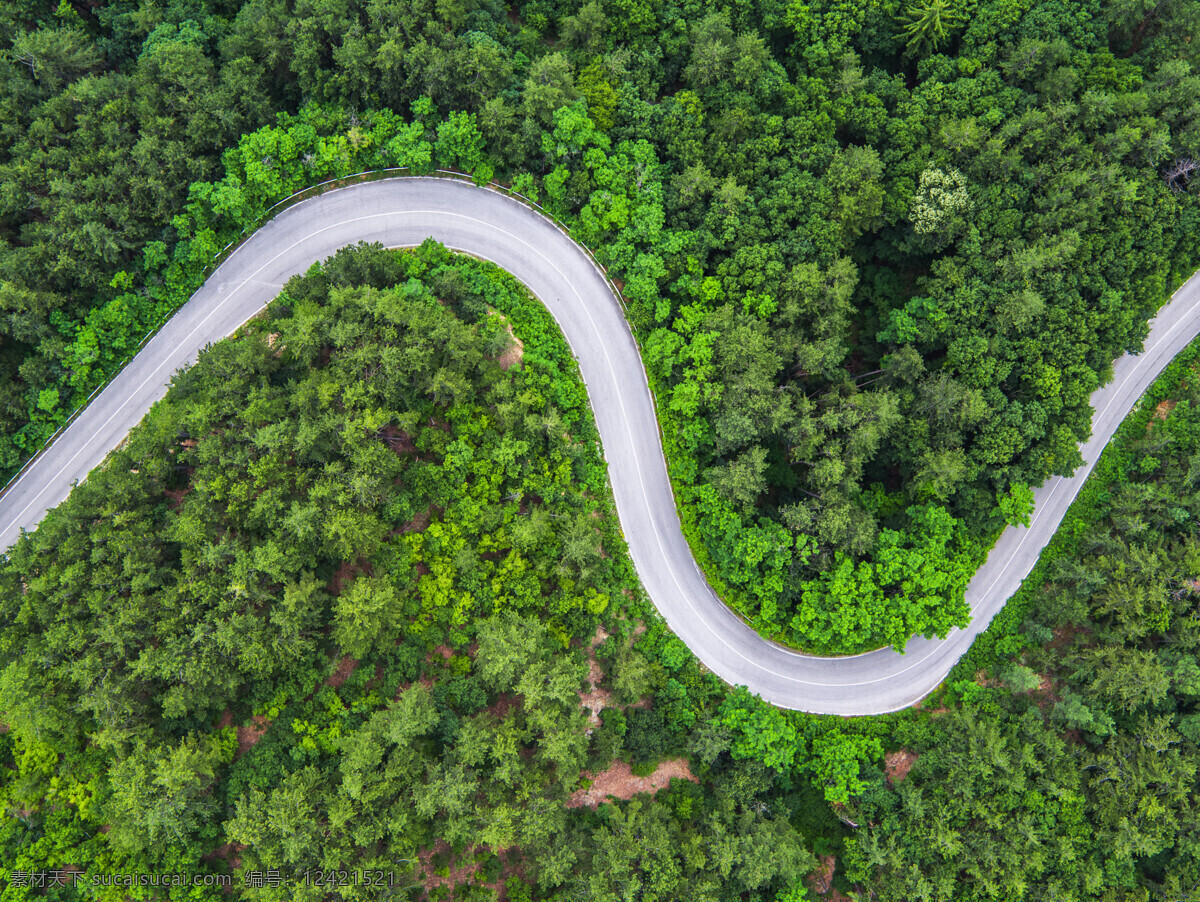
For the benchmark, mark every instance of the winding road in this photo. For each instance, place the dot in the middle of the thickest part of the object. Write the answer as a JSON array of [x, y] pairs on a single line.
[[405, 211]]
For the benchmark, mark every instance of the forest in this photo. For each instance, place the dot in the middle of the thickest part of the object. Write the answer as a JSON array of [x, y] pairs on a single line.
[[352, 599], [352, 575], [877, 255], [337, 602]]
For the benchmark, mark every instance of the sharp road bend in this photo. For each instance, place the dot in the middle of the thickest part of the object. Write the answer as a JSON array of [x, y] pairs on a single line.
[[404, 212]]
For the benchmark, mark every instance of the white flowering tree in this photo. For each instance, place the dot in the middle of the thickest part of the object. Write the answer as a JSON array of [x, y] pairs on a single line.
[[941, 206]]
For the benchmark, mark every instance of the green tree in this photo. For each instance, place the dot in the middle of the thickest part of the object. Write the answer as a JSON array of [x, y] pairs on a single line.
[[927, 24]]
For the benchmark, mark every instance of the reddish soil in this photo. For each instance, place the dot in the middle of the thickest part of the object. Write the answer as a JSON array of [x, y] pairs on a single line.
[[176, 496], [425, 681], [249, 734], [398, 440], [897, 764], [419, 523], [505, 703], [1064, 635], [619, 781], [345, 574], [595, 699], [1044, 694], [820, 881], [342, 672], [463, 869], [516, 350], [229, 852], [1163, 410]]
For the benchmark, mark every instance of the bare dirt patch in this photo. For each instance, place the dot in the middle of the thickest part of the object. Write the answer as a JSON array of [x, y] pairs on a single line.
[[342, 672], [595, 699], [419, 523], [398, 440], [505, 703], [619, 781], [425, 681], [516, 351], [345, 574], [513, 356], [228, 852], [1064, 637], [897, 764], [1164, 408], [458, 871], [176, 496], [249, 734], [463, 869], [820, 881]]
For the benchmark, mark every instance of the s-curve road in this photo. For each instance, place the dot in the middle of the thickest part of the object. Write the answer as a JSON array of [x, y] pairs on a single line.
[[406, 211]]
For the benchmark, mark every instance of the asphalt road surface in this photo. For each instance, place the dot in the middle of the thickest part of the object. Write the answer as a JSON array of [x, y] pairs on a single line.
[[404, 212]]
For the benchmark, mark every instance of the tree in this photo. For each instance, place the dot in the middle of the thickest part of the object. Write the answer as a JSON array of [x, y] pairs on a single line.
[[549, 87], [283, 825], [743, 479], [507, 644], [941, 206], [927, 24], [459, 143], [761, 732], [853, 178], [55, 56], [368, 615], [161, 795]]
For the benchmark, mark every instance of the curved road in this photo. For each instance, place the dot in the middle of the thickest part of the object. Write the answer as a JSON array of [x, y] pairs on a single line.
[[403, 212]]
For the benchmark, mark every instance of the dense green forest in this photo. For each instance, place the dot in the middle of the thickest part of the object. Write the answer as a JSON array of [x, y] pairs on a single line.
[[352, 597], [1066, 765], [877, 255], [339, 614]]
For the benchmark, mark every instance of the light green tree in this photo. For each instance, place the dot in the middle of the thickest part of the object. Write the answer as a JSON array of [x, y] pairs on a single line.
[[927, 24]]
